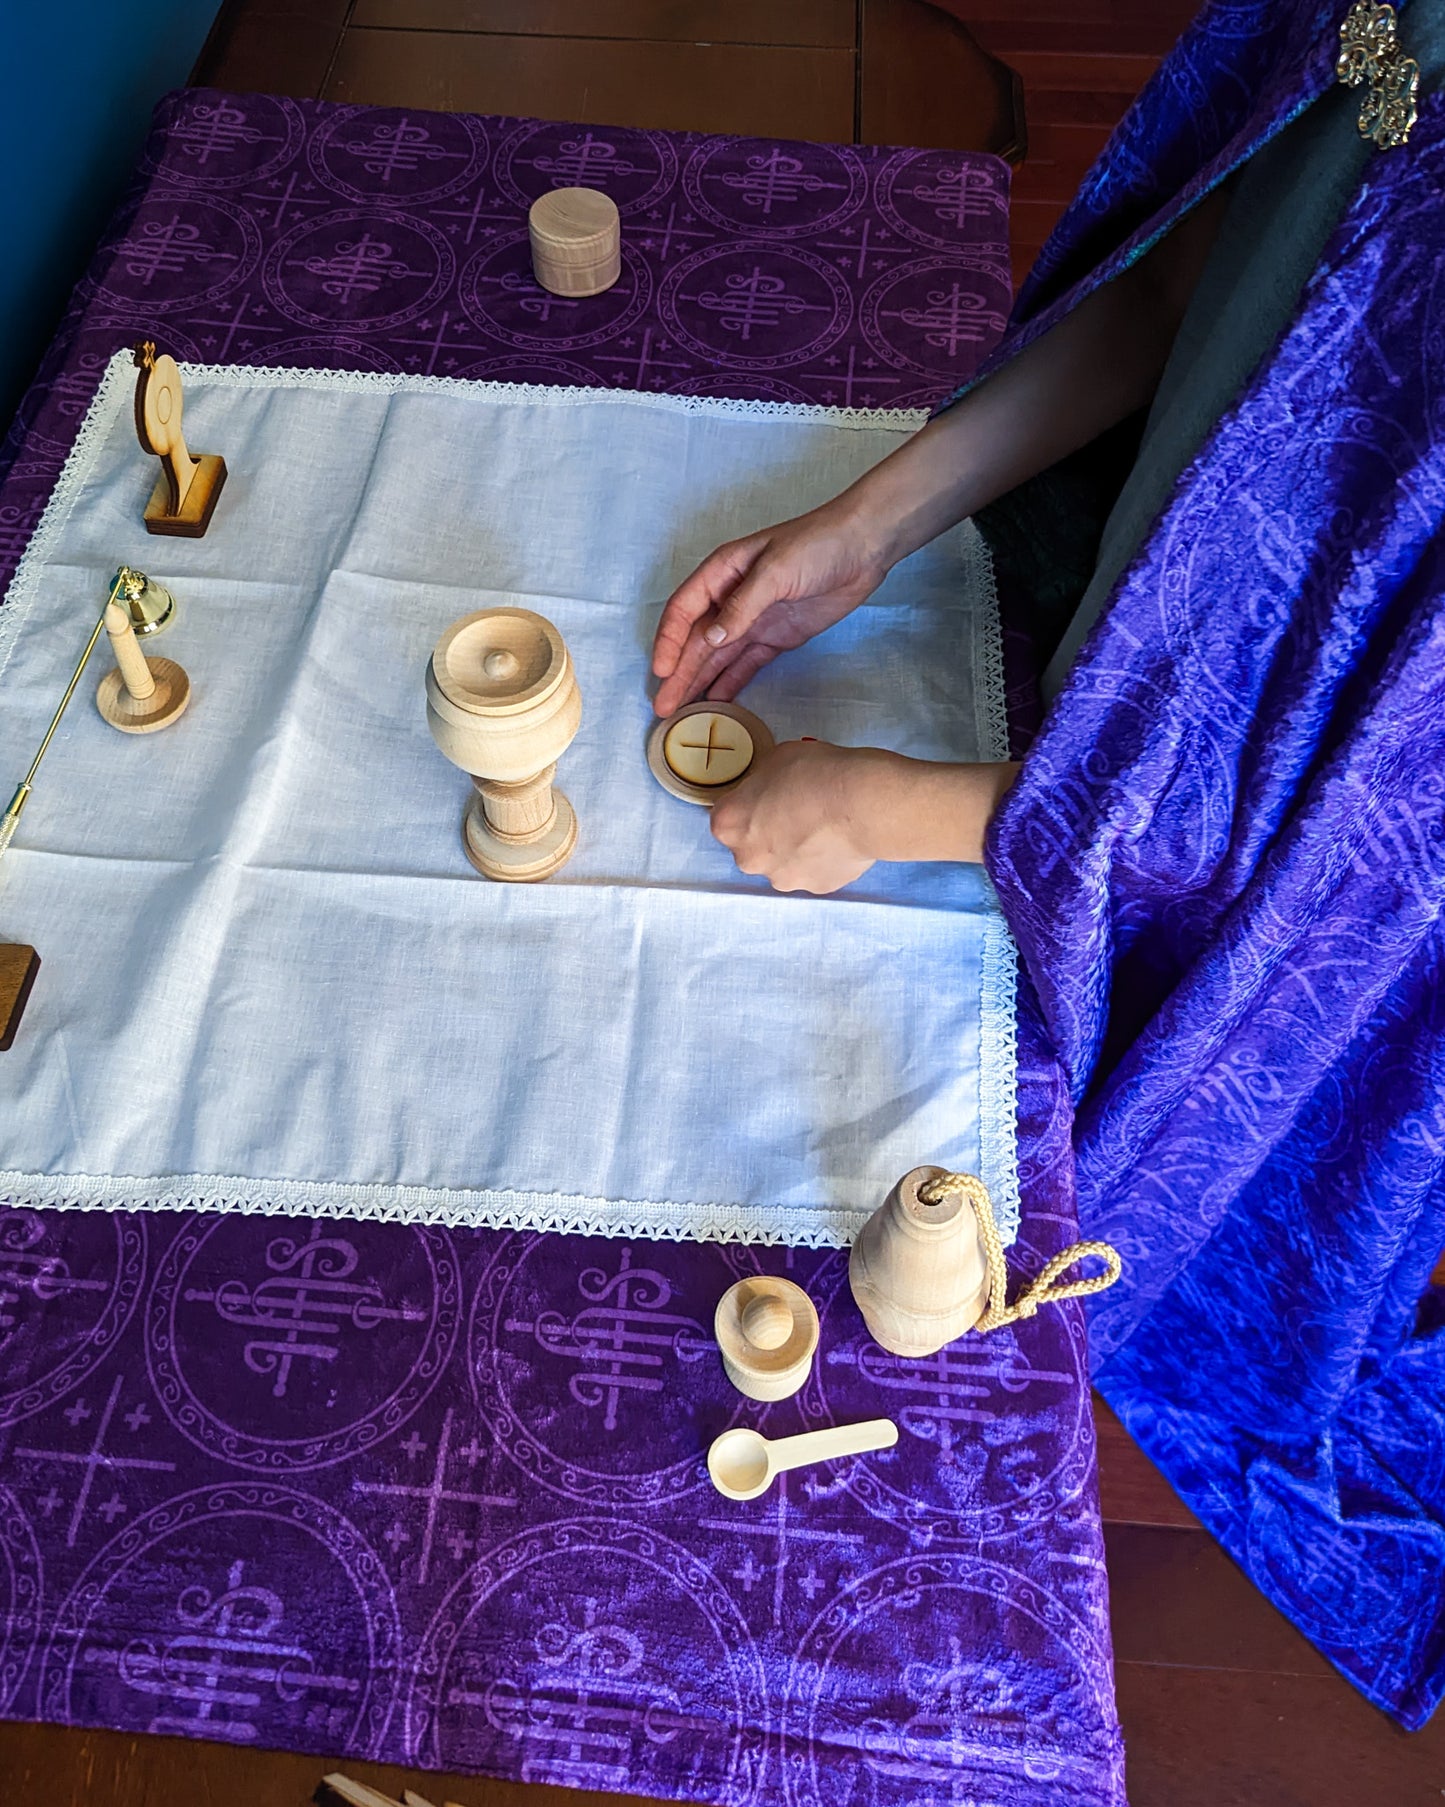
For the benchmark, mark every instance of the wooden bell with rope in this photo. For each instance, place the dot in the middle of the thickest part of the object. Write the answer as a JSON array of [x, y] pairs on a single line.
[[929, 1265]]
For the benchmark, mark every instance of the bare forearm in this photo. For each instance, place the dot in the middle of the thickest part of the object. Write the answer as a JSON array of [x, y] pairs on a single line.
[[915, 809], [1098, 365]]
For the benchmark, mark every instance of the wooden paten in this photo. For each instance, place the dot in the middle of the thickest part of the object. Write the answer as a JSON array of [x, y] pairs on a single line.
[[692, 756]]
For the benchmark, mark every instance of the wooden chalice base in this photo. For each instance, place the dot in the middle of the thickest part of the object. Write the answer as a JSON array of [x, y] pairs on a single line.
[[194, 515], [143, 715], [705, 794], [519, 862]]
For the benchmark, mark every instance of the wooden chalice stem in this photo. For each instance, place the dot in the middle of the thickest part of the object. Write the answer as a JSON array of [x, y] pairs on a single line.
[[518, 812]]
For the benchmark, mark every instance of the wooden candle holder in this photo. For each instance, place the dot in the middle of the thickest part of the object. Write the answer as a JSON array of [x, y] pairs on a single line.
[[140, 695], [503, 704], [576, 236], [767, 1330], [919, 1272], [188, 488]]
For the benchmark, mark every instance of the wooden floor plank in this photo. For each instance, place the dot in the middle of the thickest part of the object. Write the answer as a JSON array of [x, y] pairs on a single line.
[[1131, 1489], [823, 22], [72, 1767], [751, 90], [272, 47], [1223, 1738], [924, 81], [1176, 1598]]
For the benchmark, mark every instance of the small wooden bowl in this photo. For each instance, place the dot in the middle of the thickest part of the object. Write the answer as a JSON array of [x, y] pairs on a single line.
[[576, 236], [705, 794], [767, 1330]]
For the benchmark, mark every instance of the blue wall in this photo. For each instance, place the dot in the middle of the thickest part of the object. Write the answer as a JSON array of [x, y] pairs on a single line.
[[78, 79]]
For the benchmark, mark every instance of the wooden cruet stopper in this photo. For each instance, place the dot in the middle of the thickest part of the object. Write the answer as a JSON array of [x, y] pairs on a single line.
[[576, 237], [503, 704], [767, 1331], [918, 1271]]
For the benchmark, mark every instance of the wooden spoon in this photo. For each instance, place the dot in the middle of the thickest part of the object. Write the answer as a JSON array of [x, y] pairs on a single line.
[[742, 1463]]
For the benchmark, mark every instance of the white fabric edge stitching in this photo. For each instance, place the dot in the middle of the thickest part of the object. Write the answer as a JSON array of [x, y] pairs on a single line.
[[480, 1209], [998, 1089]]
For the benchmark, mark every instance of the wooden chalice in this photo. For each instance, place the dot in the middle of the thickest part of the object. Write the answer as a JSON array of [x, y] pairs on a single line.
[[503, 704]]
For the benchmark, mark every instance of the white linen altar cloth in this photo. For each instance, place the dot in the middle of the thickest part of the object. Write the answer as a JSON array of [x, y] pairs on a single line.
[[270, 979]]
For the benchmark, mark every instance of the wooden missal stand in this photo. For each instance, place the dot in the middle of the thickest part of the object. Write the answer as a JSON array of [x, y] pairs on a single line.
[[502, 703], [186, 492], [18, 967]]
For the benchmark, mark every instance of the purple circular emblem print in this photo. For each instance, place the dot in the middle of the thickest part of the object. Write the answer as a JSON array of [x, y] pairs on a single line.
[[767, 190], [939, 199], [503, 298], [981, 1683], [990, 1438], [635, 168], [181, 249], [608, 1396], [283, 1347], [729, 301], [369, 154], [543, 1663], [932, 316], [358, 268], [230, 140], [69, 1282], [20, 1597], [242, 1612]]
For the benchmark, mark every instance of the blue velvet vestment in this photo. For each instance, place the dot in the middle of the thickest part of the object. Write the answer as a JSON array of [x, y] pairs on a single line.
[[1224, 864]]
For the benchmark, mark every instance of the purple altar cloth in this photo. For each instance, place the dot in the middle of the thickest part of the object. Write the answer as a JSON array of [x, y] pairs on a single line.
[[439, 1497]]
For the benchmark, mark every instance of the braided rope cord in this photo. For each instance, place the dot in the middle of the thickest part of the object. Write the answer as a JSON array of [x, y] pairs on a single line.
[[1039, 1291]]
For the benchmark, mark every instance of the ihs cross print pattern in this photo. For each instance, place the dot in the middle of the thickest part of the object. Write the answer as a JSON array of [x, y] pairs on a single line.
[[441, 1498], [271, 231]]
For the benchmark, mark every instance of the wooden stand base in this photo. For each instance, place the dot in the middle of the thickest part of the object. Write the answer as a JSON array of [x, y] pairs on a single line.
[[143, 715], [194, 515], [18, 967], [514, 858]]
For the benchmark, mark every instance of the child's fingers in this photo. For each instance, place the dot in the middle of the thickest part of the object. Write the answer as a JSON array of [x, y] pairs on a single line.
[[748, 663], [698, 667], [752, 595]]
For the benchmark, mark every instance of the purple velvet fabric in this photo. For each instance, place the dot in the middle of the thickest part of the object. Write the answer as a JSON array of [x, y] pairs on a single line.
[[439, 1497], [1223, 865]]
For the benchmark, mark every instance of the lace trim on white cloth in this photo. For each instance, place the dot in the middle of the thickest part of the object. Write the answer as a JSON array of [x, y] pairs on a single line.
[[813, 1228], [805, 1228]]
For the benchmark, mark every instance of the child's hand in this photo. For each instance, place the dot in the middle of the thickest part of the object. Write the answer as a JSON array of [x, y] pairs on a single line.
[[801, 819], [813, 817]]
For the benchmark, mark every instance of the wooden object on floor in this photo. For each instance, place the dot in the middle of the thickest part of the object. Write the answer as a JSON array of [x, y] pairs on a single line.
[[743, 1463], [188, 488], [503, 704], [767, 1332], [140, 695], [698, 753], [18, 967], [918, 1271], [576, 238]]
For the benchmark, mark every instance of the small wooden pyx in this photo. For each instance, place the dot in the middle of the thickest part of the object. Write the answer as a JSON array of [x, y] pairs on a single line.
[[767, 1331]]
